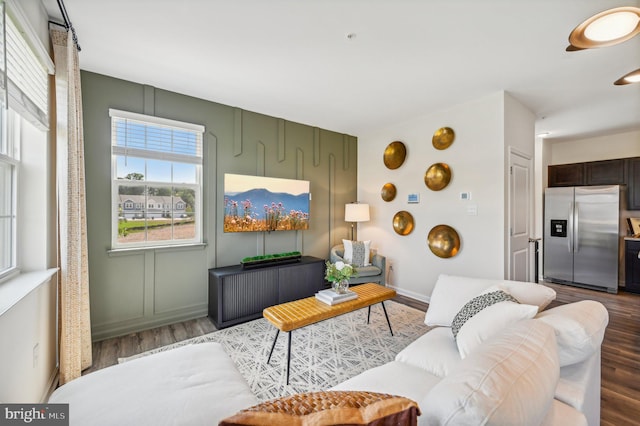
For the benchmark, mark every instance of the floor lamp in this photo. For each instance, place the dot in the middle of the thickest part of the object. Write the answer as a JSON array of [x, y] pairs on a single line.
[[355, 212]]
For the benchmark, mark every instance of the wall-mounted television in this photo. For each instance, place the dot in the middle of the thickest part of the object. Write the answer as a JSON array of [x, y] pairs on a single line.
[[258, 203]]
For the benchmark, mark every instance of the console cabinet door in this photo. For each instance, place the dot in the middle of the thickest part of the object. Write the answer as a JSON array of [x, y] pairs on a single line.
[[300, 281], [249, 293]]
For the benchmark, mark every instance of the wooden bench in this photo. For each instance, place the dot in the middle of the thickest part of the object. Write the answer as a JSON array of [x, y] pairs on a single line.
[[300, 313]]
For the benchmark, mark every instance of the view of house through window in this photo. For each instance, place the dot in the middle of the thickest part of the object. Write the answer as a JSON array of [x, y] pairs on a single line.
[[156, 180]]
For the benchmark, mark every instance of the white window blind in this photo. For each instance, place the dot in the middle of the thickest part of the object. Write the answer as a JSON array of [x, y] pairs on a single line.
[[25, 76], [156, 138]]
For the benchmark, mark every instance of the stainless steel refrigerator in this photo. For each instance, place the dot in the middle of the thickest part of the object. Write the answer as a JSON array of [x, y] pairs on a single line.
[[581, 236]]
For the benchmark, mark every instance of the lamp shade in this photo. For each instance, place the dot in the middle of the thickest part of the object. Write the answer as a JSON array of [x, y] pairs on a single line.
[[356, 212]]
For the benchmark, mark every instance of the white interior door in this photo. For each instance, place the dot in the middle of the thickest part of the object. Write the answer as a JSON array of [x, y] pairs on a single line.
[[520, 215]]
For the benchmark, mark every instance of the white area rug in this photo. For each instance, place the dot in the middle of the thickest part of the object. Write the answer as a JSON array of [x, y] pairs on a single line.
[[322, 354]]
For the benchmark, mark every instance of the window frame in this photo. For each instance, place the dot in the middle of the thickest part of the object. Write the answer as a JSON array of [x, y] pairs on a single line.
[[10, 155], [116, 184]]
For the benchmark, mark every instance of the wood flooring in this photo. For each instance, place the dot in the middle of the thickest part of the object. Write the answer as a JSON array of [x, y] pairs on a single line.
[[620, 391]]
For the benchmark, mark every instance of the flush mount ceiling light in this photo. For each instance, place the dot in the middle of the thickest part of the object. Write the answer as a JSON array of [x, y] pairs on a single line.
[[632, 77], [606, 28]]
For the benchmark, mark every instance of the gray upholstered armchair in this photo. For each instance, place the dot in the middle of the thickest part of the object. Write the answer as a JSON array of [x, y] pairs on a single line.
[[366, 274]]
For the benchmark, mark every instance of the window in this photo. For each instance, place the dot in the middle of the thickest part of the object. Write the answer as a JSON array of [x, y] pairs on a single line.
[[156, 181], [8, 190], [24, 65]]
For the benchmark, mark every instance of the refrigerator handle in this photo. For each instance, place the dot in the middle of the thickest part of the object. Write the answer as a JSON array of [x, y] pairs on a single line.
[[570, 231], [576, 218]]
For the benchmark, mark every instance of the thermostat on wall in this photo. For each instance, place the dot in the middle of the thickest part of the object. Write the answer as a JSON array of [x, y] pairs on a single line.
[[465, 195]]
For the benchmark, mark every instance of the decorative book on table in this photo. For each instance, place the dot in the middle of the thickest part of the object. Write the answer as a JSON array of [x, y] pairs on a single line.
[[330, 297]]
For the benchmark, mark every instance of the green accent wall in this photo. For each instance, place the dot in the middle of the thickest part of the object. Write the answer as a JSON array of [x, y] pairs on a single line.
[[139, 289]]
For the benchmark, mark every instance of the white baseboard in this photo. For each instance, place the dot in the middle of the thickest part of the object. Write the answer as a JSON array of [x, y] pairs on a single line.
[[411, 294]]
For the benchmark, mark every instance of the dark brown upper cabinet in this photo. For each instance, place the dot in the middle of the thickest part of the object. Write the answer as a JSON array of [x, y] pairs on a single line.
[[633, 183], [566, 175], [608, 172]]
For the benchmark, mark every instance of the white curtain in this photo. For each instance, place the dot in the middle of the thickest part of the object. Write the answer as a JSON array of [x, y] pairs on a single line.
[[73, 287]]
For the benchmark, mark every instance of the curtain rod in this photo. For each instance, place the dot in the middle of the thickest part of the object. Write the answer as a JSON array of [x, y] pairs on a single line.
[[67, 23]]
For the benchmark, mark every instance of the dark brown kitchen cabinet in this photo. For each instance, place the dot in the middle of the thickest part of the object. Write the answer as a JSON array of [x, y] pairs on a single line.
[[566, 174], [632, 266], [608, 172], [633, 183]]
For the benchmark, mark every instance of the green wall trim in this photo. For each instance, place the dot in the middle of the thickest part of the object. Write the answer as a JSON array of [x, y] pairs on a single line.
[[237, 132], [316, 146], [281, 141], [345, 152]]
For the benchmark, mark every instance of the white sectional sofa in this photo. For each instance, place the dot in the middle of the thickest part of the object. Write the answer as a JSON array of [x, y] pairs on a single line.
[[516, 371], [190, 385], [510, 364]]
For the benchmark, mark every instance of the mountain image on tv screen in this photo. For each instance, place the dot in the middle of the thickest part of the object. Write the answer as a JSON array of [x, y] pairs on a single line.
[[257, 203]]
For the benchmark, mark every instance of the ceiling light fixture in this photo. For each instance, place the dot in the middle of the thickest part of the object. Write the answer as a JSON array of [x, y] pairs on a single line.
[[606, 28], [632, 77]]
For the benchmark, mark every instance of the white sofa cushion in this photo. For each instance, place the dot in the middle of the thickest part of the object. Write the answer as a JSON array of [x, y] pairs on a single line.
[[395, 378], [510, 380], [452, 292], [436, 352], [563, 414], [579, 329], [489, 321], [191, 385]]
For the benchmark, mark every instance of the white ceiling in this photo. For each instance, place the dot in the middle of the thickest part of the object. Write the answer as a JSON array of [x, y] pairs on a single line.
[[292, 58]]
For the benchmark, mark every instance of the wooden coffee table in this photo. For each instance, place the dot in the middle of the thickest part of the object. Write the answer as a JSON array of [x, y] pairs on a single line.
[[300, 313]]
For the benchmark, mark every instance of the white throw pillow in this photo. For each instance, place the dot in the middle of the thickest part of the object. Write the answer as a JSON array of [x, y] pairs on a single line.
[[491, 318], [452, 292], [349, 252], [579, 329], [509, 380]]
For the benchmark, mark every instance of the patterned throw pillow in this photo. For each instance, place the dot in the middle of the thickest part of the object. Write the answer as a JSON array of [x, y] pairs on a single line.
[[477, 304], [357, 252]]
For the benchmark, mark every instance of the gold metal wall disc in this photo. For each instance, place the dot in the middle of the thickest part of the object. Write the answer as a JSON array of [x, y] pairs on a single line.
[[403, 223], [443, 138], [444, 241], [388, 192], [437, 176], [394, 155]]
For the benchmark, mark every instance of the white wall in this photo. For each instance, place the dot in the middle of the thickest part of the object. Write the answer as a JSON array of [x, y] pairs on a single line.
[[477, 160], [28, 357], [608, 147]]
